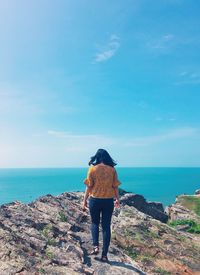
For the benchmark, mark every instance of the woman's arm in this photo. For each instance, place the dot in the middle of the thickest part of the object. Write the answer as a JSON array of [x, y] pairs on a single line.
[[87, 191], [89, 182], [117, 202], [116, 183]]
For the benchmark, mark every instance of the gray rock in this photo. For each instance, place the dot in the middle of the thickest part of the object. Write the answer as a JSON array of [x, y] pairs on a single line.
[[154, 209], [179, 211], [183, 227], [197, 192], [52, 236], [159, 247]]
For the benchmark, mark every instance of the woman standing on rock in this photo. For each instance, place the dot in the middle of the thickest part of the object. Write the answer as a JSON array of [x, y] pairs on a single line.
[[102, 187]]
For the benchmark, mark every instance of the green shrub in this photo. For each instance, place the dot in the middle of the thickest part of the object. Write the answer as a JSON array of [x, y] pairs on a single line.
[[131, 252], [193, 226], [49, 254], [47, 233], [190, 202], [63, 217], [42, 270], [162, 271]]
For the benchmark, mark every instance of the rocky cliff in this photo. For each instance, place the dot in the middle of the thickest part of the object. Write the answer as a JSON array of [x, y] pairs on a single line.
[[52, 236], [185, 207], [184, 214]]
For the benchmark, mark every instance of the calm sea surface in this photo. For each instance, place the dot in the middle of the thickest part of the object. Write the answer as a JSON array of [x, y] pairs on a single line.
[[155, 184]]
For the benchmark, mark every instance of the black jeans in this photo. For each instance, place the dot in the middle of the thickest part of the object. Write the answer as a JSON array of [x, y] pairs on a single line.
[[104, 208]]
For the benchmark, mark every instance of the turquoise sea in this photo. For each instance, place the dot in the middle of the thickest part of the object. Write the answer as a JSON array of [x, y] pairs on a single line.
[[155, 184]]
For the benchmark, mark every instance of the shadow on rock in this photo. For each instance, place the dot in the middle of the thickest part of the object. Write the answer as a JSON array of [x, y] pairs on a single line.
[[122, 265]]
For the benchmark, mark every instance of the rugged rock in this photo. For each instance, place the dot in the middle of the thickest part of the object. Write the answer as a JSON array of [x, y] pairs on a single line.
[[52, 236], [155, 245], [179, 212], [186, 207], [197, 192], [154, 209]]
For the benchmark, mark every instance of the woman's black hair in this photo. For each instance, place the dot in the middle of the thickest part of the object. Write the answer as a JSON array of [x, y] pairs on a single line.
[[102, 156]]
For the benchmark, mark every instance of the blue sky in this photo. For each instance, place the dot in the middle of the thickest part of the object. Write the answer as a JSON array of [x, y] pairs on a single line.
[[76, 76]]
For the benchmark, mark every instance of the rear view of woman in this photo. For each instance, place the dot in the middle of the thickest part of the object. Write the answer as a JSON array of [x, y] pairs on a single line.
[[101, 187]]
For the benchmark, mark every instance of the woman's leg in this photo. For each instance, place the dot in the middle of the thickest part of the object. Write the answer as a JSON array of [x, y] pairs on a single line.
[[106, 221], [95, 210]]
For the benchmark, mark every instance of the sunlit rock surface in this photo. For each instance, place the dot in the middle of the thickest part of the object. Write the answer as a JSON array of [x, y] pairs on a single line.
[[52, 236]]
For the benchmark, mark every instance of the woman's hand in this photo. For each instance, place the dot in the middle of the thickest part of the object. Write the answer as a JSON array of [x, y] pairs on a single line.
[[84, 206], [117, 203]]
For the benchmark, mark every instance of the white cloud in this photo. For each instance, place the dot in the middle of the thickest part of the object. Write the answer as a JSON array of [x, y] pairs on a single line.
[[161, 43], [82, 142], [62, 134], [186, 77], [75, 143], [172, 119], [109, 50], [171, 135], [62, 148], [13, 100], [30, 101], [159, 118], [183, 73], [165, 119]]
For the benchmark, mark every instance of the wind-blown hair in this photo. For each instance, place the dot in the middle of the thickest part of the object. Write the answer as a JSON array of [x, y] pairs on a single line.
[[102, 156]]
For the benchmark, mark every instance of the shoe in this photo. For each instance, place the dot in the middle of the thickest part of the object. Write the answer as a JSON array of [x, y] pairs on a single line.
[[104, 259], [95, 250]]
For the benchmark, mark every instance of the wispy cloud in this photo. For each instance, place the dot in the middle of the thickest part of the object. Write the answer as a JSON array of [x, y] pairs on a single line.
[[82, 142], [186, 77], [108, 50], [165, 119], [16, 100], [170, 135], [162, 43], [159, 118], [63, 134], [89, 142], [172, 119]]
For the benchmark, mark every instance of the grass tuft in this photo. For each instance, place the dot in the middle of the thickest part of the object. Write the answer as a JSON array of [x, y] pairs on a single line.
[[63, 217], [190, 202], [193, 226], [131, 253]]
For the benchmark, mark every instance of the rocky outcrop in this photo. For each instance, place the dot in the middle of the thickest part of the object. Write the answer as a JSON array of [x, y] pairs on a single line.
[[52, 236], [197, 192], [177, 211], [156, 246], [154, 209], [186, 207]]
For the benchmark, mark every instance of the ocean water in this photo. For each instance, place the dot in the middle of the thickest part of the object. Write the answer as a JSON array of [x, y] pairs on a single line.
[[155, 184]]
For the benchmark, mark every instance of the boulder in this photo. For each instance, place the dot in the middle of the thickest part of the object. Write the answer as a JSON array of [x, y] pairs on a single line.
[[185, 208], [153, 209], [197, 192]]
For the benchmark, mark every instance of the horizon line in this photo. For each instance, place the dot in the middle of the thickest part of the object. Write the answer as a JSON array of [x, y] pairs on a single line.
[[81, 167]]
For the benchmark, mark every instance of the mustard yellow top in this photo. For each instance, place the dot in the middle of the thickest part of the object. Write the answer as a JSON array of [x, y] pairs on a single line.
[[102, 179]]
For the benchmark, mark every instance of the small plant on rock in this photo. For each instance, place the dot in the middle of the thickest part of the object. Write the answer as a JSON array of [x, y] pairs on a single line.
[[131, 252], [63, 217], [49, 254], [161, 271], [193, 226]]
